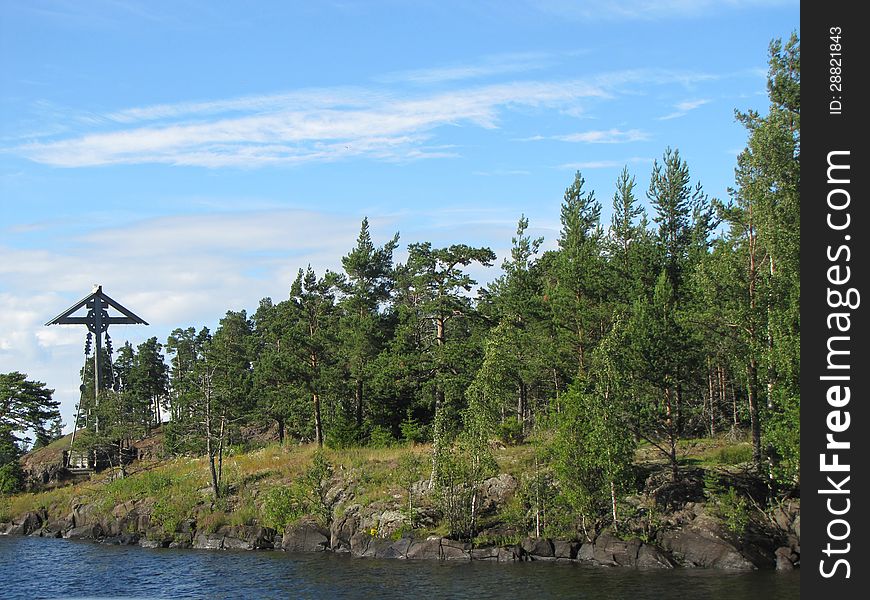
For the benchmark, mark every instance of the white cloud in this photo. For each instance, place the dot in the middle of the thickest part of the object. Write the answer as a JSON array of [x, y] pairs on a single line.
[[605, 164], [632, 10], [682, 108], [499, 64], [325, 125], [608, 136]]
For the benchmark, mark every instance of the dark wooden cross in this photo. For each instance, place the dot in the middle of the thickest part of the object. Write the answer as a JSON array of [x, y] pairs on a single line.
[[97, 321]]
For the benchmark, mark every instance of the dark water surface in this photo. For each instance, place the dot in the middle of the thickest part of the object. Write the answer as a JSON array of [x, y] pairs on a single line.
[[32, 568]]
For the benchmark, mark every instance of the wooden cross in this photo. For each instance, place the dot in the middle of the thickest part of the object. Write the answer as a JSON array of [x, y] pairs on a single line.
[[97, 321]]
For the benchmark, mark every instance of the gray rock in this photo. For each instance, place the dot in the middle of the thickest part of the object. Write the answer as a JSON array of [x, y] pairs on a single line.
[[694, 548], [343, 529], [248, 537], [428, 549], [485, 554], [28, 524], [389, 523], [149, 543], [496, 491], [208, 541], [785, 559], [586, 552], [507, 554], [563, 549], [453, 550], [538, 547], [610, 550], [650, 557], [359, 542], [305, 536], [85, 532]]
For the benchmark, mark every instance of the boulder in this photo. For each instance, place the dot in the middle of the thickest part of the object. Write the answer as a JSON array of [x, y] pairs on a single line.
[[85, 532], [610, 550], [565, 550], [538, 548], [586, 552], [453, 550], [305, 536], [699, 548], [507, 554], [343, 528], [247, 537], [399, 548], [785, 559], [389, 523], [428, 549], [208, 541], [27, 524], [496, 491], [650, 557], [490, 554]]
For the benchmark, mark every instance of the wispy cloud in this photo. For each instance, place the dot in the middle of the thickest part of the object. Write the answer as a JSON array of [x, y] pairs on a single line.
[[606, 136], [683, 108], [323, 125], [644, 10], [500, 64], [605, 164]]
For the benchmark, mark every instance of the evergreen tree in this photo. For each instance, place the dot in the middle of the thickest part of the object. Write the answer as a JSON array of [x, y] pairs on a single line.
[[370, 279], [768, 198], [434, 285], [576, 279]]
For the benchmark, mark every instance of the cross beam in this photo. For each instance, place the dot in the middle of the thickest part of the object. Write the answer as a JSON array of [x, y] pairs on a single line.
[[97, 321]]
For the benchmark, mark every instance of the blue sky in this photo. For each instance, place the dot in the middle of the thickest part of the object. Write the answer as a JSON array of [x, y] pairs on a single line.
[[191, 155]]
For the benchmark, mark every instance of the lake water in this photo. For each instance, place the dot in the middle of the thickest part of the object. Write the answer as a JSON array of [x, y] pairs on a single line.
[[32, 568]]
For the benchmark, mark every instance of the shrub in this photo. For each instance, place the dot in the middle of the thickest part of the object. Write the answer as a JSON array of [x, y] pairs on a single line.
[[282, 506], [380, 437], [734, 455], [729, 504], [510, 432], [413, 432], [343, 434], [11, 478]]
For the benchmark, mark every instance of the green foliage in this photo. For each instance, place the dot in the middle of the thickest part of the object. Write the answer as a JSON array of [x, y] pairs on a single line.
[[344, 434], [11, 478], [311, 490], [380, 437], [408, 474], [282, 506], [729, 504], [733, 455], [25, 405], [593, 450], [413, 432], [510, 431], [460, 469], [171, 510]]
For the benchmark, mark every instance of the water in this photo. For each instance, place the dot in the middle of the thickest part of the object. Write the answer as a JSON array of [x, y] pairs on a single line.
[[32, 568]]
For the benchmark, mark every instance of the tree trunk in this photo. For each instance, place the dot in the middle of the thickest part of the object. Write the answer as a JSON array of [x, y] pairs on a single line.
[[318, 424], [220, 473], [280, 423], [358, 397], [613, 504], [752, 388], [672, 437]]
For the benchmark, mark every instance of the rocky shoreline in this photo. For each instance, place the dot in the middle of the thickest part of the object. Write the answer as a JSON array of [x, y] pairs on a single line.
[[699, 541]]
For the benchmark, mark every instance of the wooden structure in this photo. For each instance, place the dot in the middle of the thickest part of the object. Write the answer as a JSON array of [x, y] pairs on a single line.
[[97, 320]]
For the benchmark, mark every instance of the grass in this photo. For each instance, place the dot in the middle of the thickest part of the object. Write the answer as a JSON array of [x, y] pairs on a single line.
[[180, 487]]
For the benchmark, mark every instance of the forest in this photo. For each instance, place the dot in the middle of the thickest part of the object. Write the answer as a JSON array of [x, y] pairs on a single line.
[[675, 322]]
